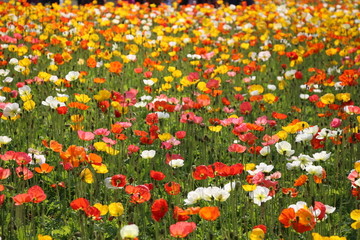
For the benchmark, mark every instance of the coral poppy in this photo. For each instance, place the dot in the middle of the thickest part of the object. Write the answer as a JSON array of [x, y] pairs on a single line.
[[182, 229]]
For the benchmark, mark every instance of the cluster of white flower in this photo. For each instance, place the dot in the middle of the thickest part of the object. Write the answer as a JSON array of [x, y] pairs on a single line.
[[209, 193]]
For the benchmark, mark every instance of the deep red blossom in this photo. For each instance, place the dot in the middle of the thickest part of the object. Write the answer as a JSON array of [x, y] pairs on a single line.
[[158, 176], [118, 180], [158, 209]]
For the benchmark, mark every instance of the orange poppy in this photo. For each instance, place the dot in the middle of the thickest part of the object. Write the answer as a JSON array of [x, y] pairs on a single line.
[[300, 181], [54, 145], [305, 221], [209, 213], [91, 62], [115, 67], [74, 155], [318, 179], [44, 168], [277, 115], [78, 105], [99, 80], [93, 158], [287, 216]]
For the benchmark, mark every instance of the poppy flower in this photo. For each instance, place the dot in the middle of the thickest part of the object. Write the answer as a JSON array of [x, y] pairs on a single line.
[[73, 155], [182, 229], [245, 108], [22, 198], [129, 231], [62, 110], [118, 180], [37, 194], [202, 172], [158, 209], [209, 213], [115, 67], [93, 158], [287, 216], [172, 188], [24, 173], [86, 136], [277, 115], [182, 215], [86, 176], [305, 221], [80, 204], [292, 191], [139, 194], [93, 213], [4, 173], [300, 181], [44, 168], [158, 176], [116, 209], [238, 148]]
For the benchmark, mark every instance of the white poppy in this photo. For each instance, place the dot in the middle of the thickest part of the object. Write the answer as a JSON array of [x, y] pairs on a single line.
[[147, 154], [260, 195], [176, 163], [284, 148], [11, 110], [129, 231]]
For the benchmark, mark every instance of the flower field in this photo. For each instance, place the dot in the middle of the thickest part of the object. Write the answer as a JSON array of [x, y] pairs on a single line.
[[162, 122]]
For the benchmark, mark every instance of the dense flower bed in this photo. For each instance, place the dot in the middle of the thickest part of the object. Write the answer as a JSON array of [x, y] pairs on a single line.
[[161, 122]]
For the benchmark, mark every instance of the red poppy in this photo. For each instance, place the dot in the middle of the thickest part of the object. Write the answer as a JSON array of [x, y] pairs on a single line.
[[118, 180], [159, 209], [22, 198], [37, 194], [245, 108], [158, 176], [180, 134], [202, 172], [22, 158], [2, 199], [262, 227], [221, 169], [139, 194], [182, 229], [172, 188], [151, 118], [62, 110], [80, 204], [236, 169], [93, 213]]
